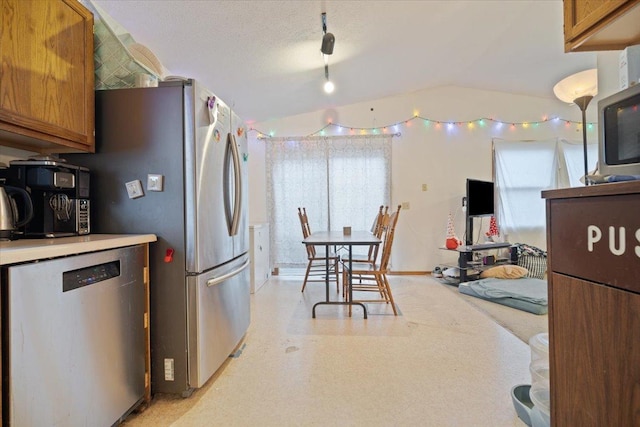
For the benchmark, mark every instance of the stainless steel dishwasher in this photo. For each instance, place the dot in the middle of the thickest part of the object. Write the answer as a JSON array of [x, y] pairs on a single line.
[[74, 339]]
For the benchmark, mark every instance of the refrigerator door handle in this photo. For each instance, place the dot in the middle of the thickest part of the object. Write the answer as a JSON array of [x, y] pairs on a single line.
[[238, 187], [217, 280], [233, 219]]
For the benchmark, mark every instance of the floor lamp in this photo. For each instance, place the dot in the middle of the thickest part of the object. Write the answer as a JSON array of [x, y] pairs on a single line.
[[579, 89]]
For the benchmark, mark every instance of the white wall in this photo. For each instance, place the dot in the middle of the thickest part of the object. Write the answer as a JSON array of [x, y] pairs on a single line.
[[7, 154], [439, 158], [608, 73]]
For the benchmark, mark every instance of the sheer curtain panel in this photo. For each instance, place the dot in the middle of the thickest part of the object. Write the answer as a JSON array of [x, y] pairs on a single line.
[[341, 181], [522, 170], [572, 154]]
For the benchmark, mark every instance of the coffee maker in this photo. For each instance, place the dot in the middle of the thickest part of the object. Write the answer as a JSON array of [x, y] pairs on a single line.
[[59, 194]]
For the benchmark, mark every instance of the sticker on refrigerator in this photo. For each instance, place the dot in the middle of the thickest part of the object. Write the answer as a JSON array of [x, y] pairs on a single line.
[[212, 106]]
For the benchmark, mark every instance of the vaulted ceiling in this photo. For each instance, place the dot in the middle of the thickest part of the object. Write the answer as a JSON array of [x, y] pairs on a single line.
[[263, 57]]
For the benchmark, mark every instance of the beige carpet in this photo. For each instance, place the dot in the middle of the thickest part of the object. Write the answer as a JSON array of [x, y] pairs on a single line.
[[522, 324]]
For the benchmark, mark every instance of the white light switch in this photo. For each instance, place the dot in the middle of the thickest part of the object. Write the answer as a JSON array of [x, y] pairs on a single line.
[[154, 182], [134, 189]]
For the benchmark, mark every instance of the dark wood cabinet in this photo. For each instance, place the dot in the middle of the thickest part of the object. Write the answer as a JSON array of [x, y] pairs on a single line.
[[591, 25], [47, 76], [593, 239]]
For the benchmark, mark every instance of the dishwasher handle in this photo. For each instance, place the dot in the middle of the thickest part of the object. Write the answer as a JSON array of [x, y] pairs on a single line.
[[217, 280]]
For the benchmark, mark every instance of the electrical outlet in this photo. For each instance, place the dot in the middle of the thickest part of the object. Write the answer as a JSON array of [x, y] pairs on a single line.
[[405, 205], [134, 189], [154, 182], [424, 187], [169, 370]]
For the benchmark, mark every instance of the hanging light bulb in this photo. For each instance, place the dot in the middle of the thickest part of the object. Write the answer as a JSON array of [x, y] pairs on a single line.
[[329, 86]]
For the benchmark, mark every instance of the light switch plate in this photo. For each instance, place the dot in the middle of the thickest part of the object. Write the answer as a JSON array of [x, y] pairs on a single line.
[[134, 189], [155, 182]]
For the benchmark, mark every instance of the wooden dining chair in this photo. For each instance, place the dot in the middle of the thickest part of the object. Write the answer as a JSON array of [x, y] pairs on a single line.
[[379, 224], [317, 258], [377, 230], [373, 277]]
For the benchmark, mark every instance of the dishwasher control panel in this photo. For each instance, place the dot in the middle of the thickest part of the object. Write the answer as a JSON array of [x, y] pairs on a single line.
[[89, 275]]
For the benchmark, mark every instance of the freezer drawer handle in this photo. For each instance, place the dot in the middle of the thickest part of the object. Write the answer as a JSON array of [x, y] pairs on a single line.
[[216, 280]]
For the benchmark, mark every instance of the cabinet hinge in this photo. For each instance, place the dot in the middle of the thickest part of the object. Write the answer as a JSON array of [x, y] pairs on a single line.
[[145, 320], [146, 275], [146, 379]]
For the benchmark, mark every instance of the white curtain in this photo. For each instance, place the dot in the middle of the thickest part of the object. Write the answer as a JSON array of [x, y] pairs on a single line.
[[523, 169], [341, 181], [572, 152]]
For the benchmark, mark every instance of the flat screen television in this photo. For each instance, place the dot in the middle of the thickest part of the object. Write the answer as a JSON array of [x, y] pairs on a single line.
[[479, 198], [619, 133], [480, 202]]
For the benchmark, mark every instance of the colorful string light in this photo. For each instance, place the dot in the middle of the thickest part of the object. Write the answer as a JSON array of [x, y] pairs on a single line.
[[437, 124]]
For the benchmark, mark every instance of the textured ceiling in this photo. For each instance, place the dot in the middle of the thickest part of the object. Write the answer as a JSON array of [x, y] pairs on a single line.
[[264, 57]]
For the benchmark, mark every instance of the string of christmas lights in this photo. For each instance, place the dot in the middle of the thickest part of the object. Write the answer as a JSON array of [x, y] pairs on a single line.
[[437, 124]]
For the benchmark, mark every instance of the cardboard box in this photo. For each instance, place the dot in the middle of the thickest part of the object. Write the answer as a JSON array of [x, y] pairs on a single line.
[[629, 66]]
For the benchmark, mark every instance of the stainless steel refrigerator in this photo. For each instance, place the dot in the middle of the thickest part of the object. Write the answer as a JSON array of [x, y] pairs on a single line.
[[181, 139]]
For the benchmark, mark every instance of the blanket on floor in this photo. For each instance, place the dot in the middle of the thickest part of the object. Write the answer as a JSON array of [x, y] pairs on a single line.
[[526, 288]]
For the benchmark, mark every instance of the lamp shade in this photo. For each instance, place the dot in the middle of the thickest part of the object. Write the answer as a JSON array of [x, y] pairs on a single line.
[[584, 83]]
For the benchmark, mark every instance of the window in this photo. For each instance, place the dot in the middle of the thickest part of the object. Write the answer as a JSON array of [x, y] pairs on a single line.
[[523, 169], [341, 181]]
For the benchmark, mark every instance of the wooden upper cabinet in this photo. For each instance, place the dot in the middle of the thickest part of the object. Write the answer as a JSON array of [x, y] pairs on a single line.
[[591, 25], [46, 76]]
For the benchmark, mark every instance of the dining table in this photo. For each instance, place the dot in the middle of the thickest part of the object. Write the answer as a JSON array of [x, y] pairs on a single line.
[[340, 239]]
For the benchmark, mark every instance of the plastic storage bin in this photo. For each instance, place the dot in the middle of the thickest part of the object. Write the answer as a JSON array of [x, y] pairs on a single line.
[[539, 345], [540, 387], [540, 390]]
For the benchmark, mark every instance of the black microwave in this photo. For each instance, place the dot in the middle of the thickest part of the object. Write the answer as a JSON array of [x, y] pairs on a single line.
[[619, 133]]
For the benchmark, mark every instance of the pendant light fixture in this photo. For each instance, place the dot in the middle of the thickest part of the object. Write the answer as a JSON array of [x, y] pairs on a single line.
[[328, 41]]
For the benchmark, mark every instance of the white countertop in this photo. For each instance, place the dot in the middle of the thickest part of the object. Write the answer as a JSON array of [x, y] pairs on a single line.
[[24, 250]]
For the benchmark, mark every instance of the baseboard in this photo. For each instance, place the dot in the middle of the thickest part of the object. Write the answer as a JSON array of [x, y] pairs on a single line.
[[276, 272], [408, 273]]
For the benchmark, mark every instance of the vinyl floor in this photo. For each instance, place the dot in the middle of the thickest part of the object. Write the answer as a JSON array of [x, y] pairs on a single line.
[[440, 362]]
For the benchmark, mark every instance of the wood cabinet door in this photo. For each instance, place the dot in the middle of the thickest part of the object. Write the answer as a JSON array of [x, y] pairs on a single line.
[[594, 349], [600, 24], [47, 78], [580, 15]]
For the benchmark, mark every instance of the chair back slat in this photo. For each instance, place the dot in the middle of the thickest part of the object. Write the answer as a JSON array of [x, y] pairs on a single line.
[[377, 230], [306, 230], [389, 232]]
